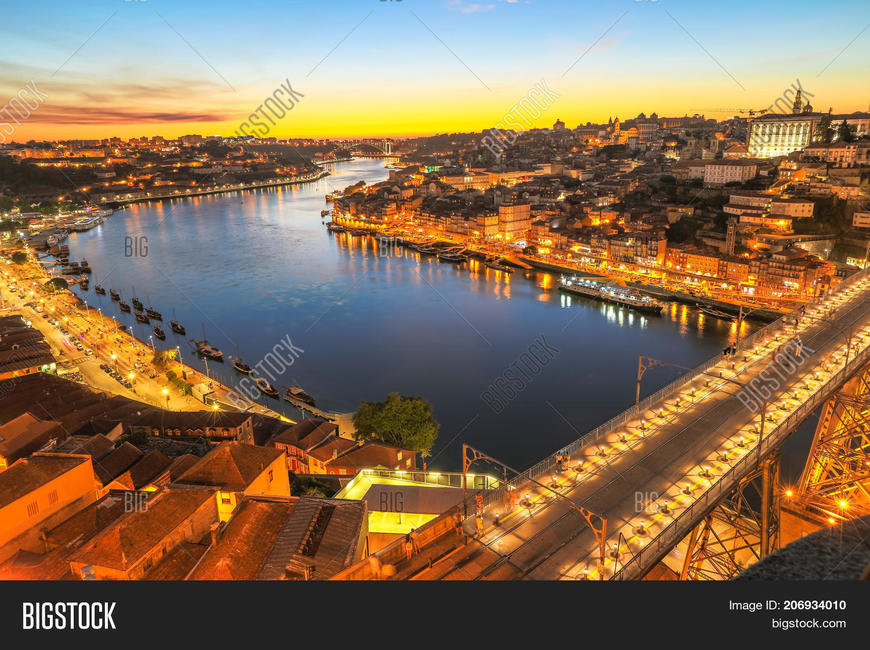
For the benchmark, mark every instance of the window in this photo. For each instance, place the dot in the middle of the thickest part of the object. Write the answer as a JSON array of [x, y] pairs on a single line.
[[270, 476], [32, 509], [225, 499], [52, 497]]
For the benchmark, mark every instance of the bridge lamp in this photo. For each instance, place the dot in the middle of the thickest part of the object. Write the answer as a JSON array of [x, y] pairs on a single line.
[[843, 504], [789, 493]]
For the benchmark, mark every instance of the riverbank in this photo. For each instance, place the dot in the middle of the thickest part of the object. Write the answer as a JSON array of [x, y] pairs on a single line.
[[131, 198], [755, 312]]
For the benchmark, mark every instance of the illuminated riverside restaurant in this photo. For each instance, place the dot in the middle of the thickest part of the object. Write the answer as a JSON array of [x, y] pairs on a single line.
[[399, 501]]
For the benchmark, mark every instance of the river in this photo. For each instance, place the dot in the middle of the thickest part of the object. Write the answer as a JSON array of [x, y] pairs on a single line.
[[252, 268]]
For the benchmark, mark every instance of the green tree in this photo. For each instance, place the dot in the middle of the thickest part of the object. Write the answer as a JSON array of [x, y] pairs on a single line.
[[405, 422], [824, 132], [845, 132], [56, 284]]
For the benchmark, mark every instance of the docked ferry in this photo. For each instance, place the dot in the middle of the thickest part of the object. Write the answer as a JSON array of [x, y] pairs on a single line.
[[580, 287], [615, 294], [626, 297]]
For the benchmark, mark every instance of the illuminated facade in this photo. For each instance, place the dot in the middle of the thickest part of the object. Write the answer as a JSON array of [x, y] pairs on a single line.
[[779, 135]]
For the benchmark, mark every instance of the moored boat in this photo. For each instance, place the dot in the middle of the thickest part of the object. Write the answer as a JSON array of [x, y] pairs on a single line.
[[205, 349], [242, 367], [124, 306], [98, 289], [296, 393], [153, 313], [265, 387], [114, 295], [715, 313], [142, 318], [177, 327], [159, 333]]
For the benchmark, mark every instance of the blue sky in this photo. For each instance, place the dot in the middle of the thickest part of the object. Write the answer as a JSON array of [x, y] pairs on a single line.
[[373, 67]]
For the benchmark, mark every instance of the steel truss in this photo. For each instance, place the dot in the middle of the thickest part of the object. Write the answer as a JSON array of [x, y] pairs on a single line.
[[835, 483], [741, 529]]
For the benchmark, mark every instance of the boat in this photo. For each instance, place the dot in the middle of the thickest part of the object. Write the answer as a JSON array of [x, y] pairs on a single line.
[[324, 213], [142, 318], [123, 328], [207, 350], [153, 313], [242, 367], [114, 295], [455, 258], [177, 327], [84, 285], [625, 297], [159, 333], [137, 304], [124, 306], [427, 250], [335, 227], [715, 313], [100, 290], [580, 287], [296, 393], [495, 264], [265, 387]]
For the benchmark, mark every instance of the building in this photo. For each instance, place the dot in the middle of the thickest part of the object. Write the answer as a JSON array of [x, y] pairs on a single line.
[[41, 491], [514, 221], [218, 425], [23, 349], [24, 435], [398, 502], [839, 154], [236, 469], [142, 537], [776, 134], [729, 171], [313, 446], [861, 220], [293, 538]]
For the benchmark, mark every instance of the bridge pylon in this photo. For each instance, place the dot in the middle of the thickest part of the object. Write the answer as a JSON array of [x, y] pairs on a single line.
[[742, 528], [835, 484]]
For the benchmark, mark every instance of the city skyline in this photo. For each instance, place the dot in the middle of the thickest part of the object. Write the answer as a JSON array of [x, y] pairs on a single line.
[[140, 68]]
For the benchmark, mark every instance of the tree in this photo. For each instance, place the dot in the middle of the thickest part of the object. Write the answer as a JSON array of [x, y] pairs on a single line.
[[844, 132], [19, 258], [57, 284], [405, 422], [824, 132]]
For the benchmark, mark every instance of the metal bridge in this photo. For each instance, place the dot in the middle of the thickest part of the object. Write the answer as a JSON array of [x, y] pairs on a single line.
[[384, 146], [657, 481]]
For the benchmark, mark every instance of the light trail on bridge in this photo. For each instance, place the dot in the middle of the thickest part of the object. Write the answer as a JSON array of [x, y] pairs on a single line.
[[677, 451]]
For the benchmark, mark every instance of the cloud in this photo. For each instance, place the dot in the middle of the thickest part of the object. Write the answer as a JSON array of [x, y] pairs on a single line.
[[473, 8], [62, 114]]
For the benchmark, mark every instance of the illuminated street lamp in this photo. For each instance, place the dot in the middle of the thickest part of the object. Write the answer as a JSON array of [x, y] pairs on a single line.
[[166, 394]]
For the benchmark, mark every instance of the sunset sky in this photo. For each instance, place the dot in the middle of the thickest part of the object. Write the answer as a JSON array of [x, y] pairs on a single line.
[[412, 67]]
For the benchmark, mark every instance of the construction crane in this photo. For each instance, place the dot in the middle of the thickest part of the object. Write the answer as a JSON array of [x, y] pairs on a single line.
[[751, 111]]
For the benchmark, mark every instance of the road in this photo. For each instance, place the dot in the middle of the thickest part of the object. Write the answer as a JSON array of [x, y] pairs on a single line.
[[101, 333]]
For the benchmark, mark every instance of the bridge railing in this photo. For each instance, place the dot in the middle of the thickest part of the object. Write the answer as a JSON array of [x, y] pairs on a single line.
[[548, 464], [672, 534]]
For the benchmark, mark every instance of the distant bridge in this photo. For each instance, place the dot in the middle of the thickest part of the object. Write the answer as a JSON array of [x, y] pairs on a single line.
[[384, 146]]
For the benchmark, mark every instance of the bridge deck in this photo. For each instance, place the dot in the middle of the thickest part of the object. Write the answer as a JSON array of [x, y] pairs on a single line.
[[627, 472]]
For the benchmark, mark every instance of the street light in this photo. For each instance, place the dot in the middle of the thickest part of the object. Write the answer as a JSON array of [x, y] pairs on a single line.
[[166, 394]]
